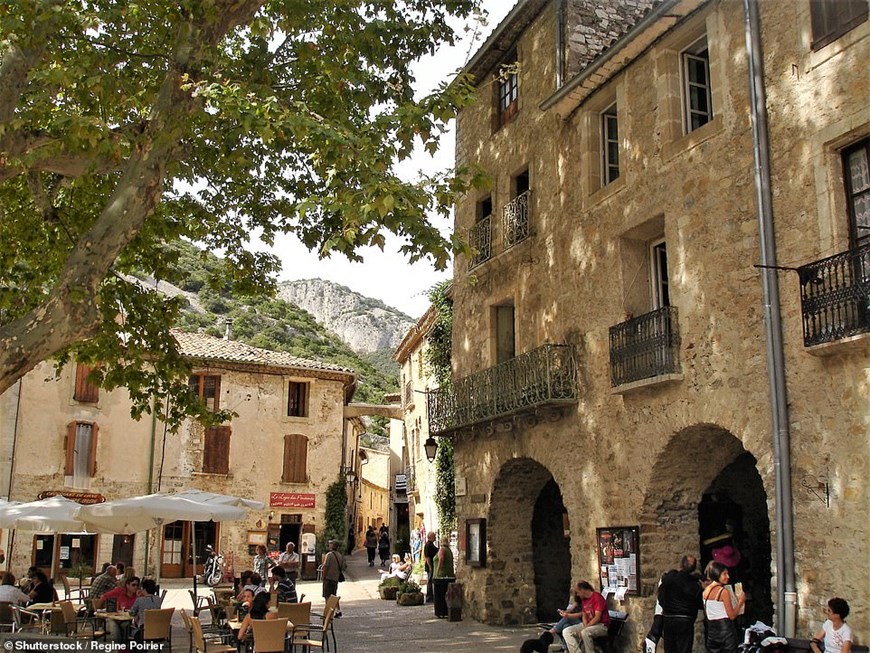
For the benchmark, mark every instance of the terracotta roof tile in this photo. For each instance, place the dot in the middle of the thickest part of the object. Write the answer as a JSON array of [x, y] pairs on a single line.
[[199, 345]]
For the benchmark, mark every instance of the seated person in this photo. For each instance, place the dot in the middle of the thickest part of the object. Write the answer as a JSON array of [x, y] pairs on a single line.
[[42, 591], [10, 593], [123, 597], [396, 569], [259, 610], [147, 600], [285, 587]]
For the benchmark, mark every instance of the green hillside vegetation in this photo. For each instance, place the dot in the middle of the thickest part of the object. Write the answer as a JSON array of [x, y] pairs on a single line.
[[271, 323]]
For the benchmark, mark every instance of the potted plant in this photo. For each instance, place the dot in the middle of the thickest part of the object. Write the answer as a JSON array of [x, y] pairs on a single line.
[[388, 588], [409, 594]]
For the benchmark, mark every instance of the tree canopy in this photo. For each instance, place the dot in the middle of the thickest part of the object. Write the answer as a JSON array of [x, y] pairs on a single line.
[[126, 125]]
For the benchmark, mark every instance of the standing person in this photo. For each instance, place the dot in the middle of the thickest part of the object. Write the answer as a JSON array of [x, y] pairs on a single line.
[[835, 633], [289, 560], [680, 598], [384, 547], [430, 550], [443, 570], [721, 610], [371, 545], [332, 573], [262, 562], [594, 620]]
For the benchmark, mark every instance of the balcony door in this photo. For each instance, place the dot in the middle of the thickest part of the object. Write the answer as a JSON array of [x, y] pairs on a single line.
[[660, 291], [505, 334]]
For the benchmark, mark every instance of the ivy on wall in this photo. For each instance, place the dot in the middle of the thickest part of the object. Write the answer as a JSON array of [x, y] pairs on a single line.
[[336, 514], [438, 359]]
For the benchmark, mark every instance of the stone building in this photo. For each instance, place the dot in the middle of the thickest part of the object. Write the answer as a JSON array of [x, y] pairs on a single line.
[[416, 383], [283, 447], [614, 406], [373, 493]]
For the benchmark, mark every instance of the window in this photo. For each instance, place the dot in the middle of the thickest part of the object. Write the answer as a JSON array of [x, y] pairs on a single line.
[[609, 145], [833, 18], [81, 451], [696, 85], [295, 459], [484, 209], [505, 335], [208, 388], [297, 399], [86, 391], [216, 450], [856, 161], [659, 275], [508, 93]]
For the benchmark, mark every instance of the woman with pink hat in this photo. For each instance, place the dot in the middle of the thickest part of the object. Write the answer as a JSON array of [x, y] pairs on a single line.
[[720, 606]]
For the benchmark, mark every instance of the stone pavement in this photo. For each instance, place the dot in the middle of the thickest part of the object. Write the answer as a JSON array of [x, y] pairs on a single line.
[[372, 625]]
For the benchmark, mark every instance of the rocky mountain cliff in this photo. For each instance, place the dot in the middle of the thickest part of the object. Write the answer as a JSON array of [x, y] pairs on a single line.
[[365, 324]]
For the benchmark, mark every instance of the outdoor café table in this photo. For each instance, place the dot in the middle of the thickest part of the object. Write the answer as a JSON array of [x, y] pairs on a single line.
[[48, 610], [123, 619]]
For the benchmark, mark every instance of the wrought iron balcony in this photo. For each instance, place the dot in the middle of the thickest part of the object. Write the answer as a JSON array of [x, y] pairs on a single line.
[[645, 347], [515, 220], [480, 240], [543, 377], [835, 296]]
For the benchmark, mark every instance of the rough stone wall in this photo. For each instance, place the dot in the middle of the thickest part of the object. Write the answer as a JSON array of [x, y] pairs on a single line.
[[123, 450], [648, 456], [592, 26]]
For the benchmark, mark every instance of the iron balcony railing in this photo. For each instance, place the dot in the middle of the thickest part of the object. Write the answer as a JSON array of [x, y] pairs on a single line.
[[542, 377], [645, 347], [480, 240], [835, 296], [515, 220]]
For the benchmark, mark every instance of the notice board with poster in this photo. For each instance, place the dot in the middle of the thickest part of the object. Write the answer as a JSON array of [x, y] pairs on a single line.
[[619, 560]]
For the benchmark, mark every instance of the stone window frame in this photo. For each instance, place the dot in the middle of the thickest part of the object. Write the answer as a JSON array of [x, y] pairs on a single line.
[[591, 141], [697, 52], [609, 120], [669, 73], [837, 22], [635, 251], [297, 402]]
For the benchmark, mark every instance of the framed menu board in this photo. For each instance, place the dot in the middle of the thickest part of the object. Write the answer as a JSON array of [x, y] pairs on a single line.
[[619, 560]]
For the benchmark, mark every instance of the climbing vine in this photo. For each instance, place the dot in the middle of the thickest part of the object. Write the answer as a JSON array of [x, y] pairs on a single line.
[[438, 361], [336, 514]]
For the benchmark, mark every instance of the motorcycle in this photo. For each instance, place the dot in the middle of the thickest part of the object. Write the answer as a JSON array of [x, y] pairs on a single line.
[[212, 569]]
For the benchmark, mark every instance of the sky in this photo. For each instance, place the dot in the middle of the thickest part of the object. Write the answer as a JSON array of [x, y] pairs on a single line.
[[387, 275]]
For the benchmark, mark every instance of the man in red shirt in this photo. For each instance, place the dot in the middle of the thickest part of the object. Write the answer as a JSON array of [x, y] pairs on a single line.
[[594, 620]]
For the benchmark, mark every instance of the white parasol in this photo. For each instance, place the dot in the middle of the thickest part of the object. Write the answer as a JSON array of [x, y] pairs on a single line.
[[52, 515]]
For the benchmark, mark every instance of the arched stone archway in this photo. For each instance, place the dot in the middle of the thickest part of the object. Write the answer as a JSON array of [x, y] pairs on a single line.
[[530, 559], [705, 492]]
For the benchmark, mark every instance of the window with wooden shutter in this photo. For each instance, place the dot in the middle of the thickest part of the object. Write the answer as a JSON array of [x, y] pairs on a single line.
[[216, 452], [208, 388], [832, 18], [297, 399], [81, 450], [295, 458], [85, 391]]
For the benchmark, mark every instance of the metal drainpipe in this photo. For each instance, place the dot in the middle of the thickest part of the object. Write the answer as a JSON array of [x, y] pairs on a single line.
[[10, 540], [786, 597], [151, 469], [560, 55]]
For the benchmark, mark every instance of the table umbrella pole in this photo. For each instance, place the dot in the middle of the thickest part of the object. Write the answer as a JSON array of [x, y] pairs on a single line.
[[193, 549]]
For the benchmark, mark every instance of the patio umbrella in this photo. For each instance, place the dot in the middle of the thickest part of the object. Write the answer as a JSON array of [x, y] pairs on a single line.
[[153, 510], [225, 499], [52, 515]]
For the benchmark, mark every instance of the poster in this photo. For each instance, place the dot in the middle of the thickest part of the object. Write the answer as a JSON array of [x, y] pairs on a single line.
[[618, 560]]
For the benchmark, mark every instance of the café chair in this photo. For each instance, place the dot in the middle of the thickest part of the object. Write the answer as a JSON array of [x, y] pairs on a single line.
[[157, 625], [270, 635], [202, 645], [310, 636], [7, 624], [76, 627], [26, 620]]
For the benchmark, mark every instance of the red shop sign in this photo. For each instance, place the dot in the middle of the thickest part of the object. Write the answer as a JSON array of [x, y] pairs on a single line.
[[290, 500]]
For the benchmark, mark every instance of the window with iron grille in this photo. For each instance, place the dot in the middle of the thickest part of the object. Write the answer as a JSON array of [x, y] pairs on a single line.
[[208, 388], [609, 145], [297, 399], [832, 18], [508, 93], [697, 90]]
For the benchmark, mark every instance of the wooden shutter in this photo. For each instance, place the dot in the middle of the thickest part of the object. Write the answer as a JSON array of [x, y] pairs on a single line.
[[85, 390], [70, 448], [295, 458], [216, 452], [92, 454]]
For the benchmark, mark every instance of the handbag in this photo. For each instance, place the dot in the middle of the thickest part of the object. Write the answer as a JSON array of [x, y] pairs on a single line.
[[340, 576]]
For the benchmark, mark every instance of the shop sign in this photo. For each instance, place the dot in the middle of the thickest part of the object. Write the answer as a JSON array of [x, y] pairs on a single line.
[[84, 498], [290, 500]]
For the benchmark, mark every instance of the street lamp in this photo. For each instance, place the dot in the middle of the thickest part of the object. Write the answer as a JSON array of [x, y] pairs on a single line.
[[350, 475], [431, 448]]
